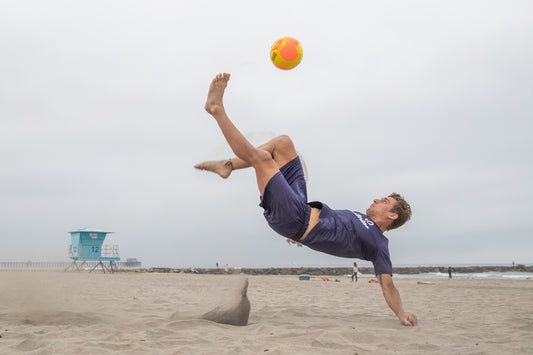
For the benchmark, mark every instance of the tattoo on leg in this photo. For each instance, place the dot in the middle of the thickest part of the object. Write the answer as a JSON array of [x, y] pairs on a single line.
[[380, 280], [230, 164]]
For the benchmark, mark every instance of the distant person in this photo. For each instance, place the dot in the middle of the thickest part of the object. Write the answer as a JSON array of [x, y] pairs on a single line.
[[283, 190], [450, 272], [217, 266], [354, 272]]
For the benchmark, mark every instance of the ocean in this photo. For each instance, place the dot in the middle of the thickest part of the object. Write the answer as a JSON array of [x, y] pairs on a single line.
[[511, 275]]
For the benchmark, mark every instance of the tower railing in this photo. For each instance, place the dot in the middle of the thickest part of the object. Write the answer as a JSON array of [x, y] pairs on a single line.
[[108, 251]]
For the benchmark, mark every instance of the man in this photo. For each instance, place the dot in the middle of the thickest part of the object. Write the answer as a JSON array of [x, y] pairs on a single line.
[[282, 186]]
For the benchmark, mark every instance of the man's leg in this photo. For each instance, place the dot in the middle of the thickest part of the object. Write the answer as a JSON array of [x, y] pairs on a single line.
[[263, 161], [281, 149]]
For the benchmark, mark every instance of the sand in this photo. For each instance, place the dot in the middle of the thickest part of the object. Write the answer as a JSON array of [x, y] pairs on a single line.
[[149, 313]]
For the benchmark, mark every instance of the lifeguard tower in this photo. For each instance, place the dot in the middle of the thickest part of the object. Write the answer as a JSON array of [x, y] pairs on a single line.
[[87, 245]]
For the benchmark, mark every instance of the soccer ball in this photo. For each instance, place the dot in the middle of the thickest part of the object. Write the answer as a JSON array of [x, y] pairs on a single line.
[[286, 53]]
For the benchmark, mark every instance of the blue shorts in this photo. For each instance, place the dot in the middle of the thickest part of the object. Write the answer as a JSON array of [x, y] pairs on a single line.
[[285, 201]]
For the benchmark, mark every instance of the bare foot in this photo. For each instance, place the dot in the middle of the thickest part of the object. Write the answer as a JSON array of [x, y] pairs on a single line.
[[220, 167], [214, 103]]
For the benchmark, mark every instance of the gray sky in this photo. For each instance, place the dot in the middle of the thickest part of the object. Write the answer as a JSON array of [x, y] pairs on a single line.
[[101, 121]]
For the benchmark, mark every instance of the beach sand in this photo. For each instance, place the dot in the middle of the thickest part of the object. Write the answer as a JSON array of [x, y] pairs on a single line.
[[151, 313]]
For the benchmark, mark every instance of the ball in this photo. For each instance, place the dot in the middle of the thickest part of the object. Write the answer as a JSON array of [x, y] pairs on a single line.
[[286, 53]]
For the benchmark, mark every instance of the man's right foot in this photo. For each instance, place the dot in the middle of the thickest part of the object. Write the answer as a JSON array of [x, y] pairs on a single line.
[[221, 167]]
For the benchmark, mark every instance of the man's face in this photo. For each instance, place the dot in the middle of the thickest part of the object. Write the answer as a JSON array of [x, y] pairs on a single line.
[[381, 207]]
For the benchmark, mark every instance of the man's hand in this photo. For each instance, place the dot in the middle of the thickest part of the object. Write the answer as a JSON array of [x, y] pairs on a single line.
[[409, 319], [290, 241], [392, 296]]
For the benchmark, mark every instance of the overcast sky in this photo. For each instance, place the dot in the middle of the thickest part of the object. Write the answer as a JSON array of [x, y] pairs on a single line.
[[102, 120]]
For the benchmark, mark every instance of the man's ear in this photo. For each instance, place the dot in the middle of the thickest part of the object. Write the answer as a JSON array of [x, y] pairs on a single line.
[[392, 216]]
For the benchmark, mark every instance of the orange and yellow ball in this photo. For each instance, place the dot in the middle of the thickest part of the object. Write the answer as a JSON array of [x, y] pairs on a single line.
[[286, 53]]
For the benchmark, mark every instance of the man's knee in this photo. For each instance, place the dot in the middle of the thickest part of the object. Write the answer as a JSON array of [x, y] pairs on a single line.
[[284, 140], [262, 156], [284, 143], [279, 150]]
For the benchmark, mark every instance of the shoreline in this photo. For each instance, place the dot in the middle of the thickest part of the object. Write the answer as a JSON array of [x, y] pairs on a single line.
[[339, 271]]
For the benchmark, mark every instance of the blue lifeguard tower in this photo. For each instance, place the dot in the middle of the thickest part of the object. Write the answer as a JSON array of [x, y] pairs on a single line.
[[87, 245]]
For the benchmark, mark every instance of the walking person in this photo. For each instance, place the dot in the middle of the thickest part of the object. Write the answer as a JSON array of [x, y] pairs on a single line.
[[354, 272]]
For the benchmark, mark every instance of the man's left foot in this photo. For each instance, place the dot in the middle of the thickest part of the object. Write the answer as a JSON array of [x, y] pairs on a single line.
[[220, 167]]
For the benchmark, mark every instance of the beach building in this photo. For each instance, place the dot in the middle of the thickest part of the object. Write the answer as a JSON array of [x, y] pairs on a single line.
[[131, 263]]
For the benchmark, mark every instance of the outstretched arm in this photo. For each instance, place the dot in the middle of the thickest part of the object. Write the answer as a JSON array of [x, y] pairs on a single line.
[[392, 296]]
